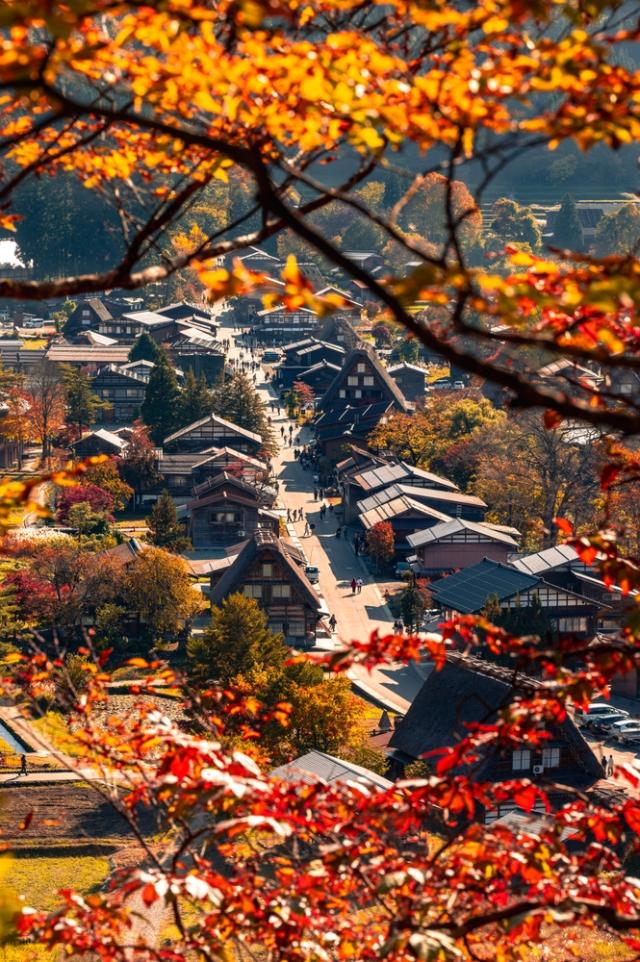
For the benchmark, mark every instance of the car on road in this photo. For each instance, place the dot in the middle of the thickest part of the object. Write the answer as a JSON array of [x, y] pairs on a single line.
[[596, 708], [605, 723], [312, 573], [628, 735]]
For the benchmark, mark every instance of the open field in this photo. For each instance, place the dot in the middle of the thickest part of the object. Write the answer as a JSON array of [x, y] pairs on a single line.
[[61, 812]]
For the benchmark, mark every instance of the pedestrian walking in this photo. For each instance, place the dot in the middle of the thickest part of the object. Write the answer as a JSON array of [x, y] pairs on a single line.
[[331, 507], [338, 531], [321, 494], [307, 529], [289, 515], [323, 511], [603, 763], [354, 585], [282, 430], [610, 767], [360, 583], [23, 765], [315, 494], [332, 623]]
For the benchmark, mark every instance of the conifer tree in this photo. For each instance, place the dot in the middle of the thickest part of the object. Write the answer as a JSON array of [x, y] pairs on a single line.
[[237, 401], [165, 531], [145, 349], [160, 406], [237, 642], [82, 405], [567, 230], [196, 400]]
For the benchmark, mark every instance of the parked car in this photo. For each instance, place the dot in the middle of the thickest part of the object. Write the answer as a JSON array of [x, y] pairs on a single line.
[[604, 723], [629, 735], [595, 709], [402, 568], [271, 357], [623, 725], [312, 573], [458, 385], [441, 385]]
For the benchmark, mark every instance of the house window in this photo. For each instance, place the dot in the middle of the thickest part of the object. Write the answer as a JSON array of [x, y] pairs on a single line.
[[361, 368], [225, 517], [551, 757], [572, 624], [281, 591], [343, 393], [252, 591], [358, 393], [369, 381], [521, 760], [132, 392], [352, 380], [267, 570]]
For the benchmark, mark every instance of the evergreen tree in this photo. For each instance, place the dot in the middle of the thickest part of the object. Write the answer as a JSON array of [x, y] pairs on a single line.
[[82, 404], [196, 400], [161, 400], [237, 401], [237, 642], [145, 349], [165, 531], [567, 230]]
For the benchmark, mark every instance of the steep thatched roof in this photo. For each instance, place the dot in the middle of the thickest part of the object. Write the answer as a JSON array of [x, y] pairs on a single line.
[[467, 690]]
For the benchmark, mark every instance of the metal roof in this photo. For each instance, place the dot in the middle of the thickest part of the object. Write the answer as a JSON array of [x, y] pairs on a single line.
[[392, 509], [419, 494], [440, 531], [94, 353], [318, 766], [547, 559], [214, 419], [467, 591]]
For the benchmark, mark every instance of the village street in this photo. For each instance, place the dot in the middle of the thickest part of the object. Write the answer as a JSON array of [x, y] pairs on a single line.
[[393, 687]]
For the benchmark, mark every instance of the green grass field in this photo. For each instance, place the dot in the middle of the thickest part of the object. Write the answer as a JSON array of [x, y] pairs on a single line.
[[37, 880]]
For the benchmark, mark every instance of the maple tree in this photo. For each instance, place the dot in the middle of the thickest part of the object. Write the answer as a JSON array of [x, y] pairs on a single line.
[[381, 542]]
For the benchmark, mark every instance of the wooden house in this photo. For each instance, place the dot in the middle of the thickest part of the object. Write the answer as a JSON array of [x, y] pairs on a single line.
[[363, 479], [265, 570], [89, 357], [226, 510], [100, 442], [184, 311], [456, 544], [363, 381], [455, 504], [405, 516], [123, 390], [468, 591], [277, 325], [361, 396], [181, 473], [318, 377], [89, 314], [562, 566], [469, 690], [341, 426], [411, 379], [213, 431], [304, 354], [129, 326]]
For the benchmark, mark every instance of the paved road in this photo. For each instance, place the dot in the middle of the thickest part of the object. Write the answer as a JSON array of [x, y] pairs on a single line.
[[393, 687]]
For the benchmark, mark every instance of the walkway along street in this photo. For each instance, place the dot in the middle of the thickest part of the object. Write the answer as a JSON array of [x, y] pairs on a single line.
[[393, 687]]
